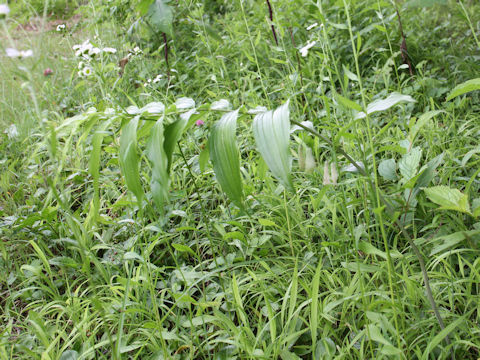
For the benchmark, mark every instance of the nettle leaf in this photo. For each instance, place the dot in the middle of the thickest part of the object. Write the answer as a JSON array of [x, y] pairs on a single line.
[[463, 88], [448, 199], [271, 130], [409, 163], [384, 104], [129, 160], [160, 16], [225, 157], [158, 157], [388, 169]]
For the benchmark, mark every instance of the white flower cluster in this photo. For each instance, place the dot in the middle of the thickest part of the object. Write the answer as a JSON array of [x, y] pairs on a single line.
[[154, 81], [87, 52], [14, 53], [84, 69], [135, 51], [4, 10], [61, 27]]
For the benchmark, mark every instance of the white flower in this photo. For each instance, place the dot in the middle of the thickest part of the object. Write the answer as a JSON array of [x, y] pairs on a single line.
[[13, 53], [158, 78], [26, 53], [304, 50], [110, 50], [312, 26], [4, 9], [87, 71], [61, 27], [81, 65], [94, 51], [11, 132]]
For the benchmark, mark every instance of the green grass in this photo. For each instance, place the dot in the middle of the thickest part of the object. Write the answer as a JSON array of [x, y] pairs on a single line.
[[90, 269]]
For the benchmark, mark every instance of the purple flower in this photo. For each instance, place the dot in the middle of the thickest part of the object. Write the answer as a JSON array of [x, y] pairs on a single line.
[[47, 72], [199, 122]]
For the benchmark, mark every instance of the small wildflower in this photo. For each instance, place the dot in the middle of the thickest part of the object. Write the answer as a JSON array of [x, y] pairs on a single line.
[[47, 72], [61, 27], [158, 78], [11, 132], [4, 10], [199, 122], [87, 71], [314, 25], [304, 50], [13, 53], [110, 50], [94, 51]]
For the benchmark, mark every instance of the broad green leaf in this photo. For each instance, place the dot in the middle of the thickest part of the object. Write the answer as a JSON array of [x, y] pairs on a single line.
[[203, 157], [271, 130], [143, 6], [388, 169], [463, 88], [172, 133], [428, 174], [129, 161], [225, 157], [375, 335], [160, 16], [157, 156], [409, 163], [384, 104], [448, 199], [184, 103]]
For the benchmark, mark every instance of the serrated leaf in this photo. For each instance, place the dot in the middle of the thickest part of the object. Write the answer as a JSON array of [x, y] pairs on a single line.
[[409, 163], [448, 199], [422, 120], [271, 130], [128, 159], [225, 157], [156, 154], [463, 88], [388, 169], [384, 104], [348, 103], [160, 16]]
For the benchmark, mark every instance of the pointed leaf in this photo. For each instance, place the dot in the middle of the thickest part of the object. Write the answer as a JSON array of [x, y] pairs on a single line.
[[157, 156], [448, 199], [225, 157], [172, 133], [271, 130], [384, 104], [129, 159], [467, 86]]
